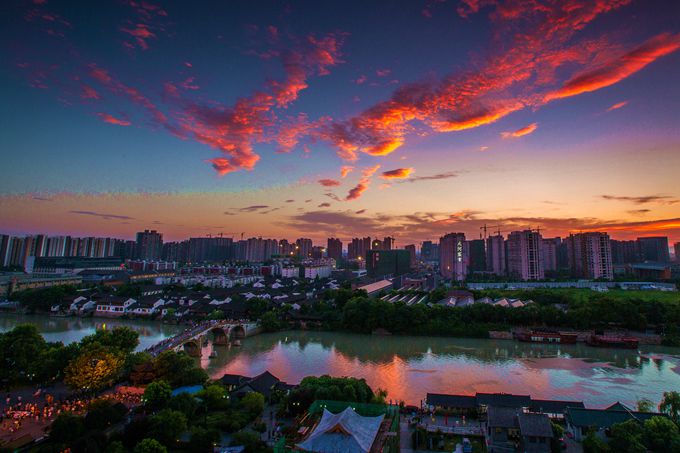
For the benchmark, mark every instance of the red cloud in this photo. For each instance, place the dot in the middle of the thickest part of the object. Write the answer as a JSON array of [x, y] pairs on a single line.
[[618, 69], [399, 173], [112, 120], [329, 182], [617, 106], [505, 82], [363, 183], [526, 130], [87, 92]]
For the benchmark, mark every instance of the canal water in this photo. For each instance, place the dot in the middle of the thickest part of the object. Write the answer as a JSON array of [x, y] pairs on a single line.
[[409, 367]]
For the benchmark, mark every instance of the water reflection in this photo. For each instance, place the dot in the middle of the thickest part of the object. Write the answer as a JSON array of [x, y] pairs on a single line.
[[68, 330], [409, 367]]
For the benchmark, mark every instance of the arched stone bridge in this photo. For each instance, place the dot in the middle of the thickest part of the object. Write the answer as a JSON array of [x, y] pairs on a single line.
[[191, 340]]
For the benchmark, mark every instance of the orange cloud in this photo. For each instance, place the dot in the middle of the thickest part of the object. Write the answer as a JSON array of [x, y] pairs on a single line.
[[617, 106], [329, 182], [399, 173], [345, 170], [526, 130], [618, 69], [363, 184], [113, 120]]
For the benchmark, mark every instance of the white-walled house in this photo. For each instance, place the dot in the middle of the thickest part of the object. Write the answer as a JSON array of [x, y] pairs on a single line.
[[113, 306]]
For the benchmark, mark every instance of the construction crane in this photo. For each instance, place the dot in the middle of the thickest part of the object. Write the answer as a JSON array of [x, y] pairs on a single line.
[[486, 227]]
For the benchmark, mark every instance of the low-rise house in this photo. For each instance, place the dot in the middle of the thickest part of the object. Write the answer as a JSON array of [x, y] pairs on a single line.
[[509, 429], [113, 305], [580, 420], [146, 306]]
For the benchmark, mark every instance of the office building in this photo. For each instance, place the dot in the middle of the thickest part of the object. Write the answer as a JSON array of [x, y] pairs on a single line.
[[524, 255], [590, 255], [453, 259], [477, 256]]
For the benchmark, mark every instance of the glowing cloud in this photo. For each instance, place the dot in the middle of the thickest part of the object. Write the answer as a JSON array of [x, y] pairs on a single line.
[[617, 106], [345, 170], [113, 120], [399, 173], [618, 69], [526, 130]]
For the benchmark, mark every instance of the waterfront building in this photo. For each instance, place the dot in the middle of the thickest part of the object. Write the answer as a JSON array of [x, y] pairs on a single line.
[[590, 255], [453, 259], [524, 255]]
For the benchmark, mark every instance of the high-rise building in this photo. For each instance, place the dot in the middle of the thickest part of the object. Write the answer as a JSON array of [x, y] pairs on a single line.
[[654, 249], [382, 263], [411, 249], [495, 254], [429, 252], [303, 247], [624, 252], [358, 247], [477, 255], [149, 245], [590, 255], [388, 243], [452, 257], [676, 248], [550, 249], [334, 249], [524, 255]]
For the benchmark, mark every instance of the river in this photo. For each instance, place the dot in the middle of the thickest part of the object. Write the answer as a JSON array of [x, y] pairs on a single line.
[[409, 367]]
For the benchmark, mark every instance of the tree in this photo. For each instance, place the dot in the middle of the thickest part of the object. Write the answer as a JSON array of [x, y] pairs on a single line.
[[203, 440], [167, 425], [94, 369], [270, 322], [157, 394], [670, 404], [150, 446], [178, 369], [626, 437], [20, 351], [115, 447], [661, 435], [645, 405], [249, 440], [185, 403], [66, 428], [594, 444], [103, 413], [252, 403], [122, 339], [215, 397]]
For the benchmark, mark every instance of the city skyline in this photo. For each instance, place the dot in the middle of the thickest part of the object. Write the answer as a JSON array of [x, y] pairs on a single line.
[[282, 121]]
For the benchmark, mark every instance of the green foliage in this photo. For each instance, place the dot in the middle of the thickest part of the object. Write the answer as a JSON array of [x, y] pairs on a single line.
[[167, 425], [19, 350], [150, 446], [270, 322], [627, 437], [670, 404], [42, 299], [594, 444], [215, 397], [66, 428], [178, 369], [184, 403], [121, 339], [256, 307], [157, 395], [115, 446], [661, 435], [252, 403], [203, 440], [103, 413], [328, 388], [645, 405], [216, 314], [249, 440]]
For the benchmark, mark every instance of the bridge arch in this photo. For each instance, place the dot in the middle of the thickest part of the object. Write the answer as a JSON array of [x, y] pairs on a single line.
[[220, 335], [237, 332], [192, 347]]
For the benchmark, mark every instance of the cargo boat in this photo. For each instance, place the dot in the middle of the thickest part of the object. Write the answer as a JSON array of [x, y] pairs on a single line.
[[546, 336], [613, 341]]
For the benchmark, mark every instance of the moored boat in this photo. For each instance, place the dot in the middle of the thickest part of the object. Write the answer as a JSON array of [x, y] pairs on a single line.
[[547, 336], [613, 341]]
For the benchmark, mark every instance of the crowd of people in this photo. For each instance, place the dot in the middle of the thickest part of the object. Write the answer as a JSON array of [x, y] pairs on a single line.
[[37, 413]]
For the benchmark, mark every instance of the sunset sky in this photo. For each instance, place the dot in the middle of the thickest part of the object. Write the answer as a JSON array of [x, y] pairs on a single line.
[[285, 119]]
